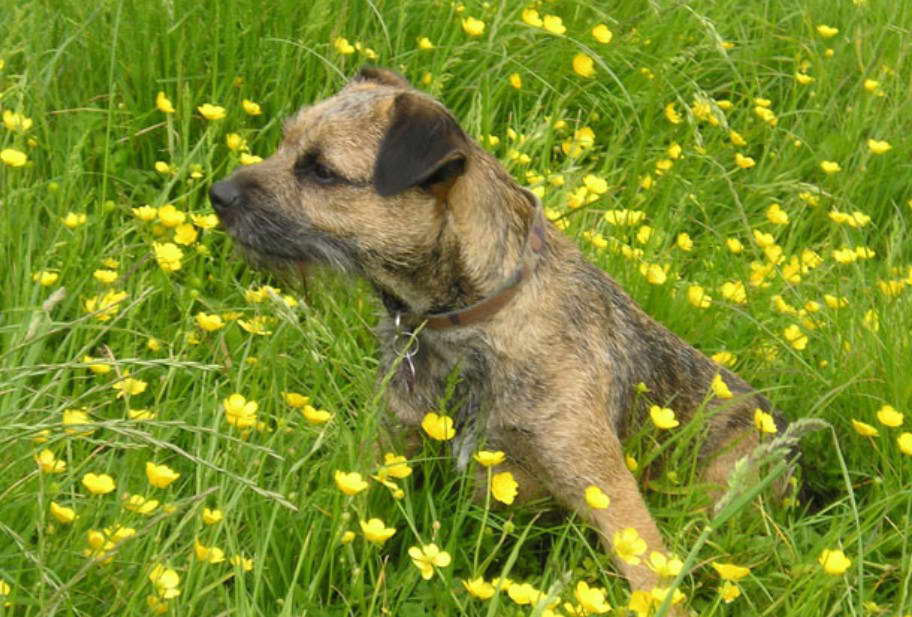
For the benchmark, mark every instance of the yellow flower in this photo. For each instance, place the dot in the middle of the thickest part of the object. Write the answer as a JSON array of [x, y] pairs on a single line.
[[209, 554], [439, 427], [204, 221], [830, 167], [729, 592], [904, 441], [105, 306], [105, 276], [878, 147], [628, 545], [211, 517], [349, 483], [591, 599], [343, 46], [734, 245], [764, 422], [428, 556], [153, 344], [98, 484], [424, 43], [169, 216], [48, 463], [242, 562], [531, 17], [720, 388], [479, 588], [395, 466], [77, 417], [730, 572], [249, 159], [140, 504], [376, 531], [168, 256], [316, 416], [827, 31], [145, 213], [523, 593], [295, 400], [160, 476], [165, 581], [239, 412], [235, 142], [128, 386], [641, 602], [596, 497], [665, 566], [45, 278], [73, 220], [583, 65], [736, 138], [98, 369], [473, 27], [211, 112], [163, 103], [16, 122], [663, 417], [347, 537], [834, 562], [140, 414], [504, 487], [13, 158], [515, 81], [803, 78], [654, 273], [795, 337], [766, 114], [698, 297], [487, 458], [208, 322], [671, 114], [553, 24], [744, 162], [724, 358], [776, 215], [602, 34], [63, 514], [889, 416], [864, 429], [871, 85], [251, 108]]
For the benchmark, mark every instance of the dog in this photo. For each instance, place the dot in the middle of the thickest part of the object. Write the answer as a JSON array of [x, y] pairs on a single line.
[[481, 291]]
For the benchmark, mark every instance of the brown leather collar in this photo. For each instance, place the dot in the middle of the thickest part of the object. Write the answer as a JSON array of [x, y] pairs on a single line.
[[489, 306]]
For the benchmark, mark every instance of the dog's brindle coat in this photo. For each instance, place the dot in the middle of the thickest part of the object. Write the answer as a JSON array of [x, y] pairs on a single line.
[[380, 181]]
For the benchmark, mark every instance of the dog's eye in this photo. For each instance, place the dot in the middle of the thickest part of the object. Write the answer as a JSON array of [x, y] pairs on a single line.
[[309, 168]]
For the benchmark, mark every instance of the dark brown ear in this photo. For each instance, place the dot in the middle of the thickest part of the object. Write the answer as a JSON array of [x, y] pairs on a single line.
[[384, 77], [422, 147]]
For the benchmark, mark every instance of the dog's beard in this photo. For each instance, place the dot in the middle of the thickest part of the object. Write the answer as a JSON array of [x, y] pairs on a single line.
[[271, 241]]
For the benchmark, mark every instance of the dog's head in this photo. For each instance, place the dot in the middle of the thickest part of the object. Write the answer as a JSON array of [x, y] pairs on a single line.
[[359, 181]]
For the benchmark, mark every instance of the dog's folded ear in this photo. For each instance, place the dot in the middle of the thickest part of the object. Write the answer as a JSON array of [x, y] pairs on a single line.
[[423, 146], [383, 77]]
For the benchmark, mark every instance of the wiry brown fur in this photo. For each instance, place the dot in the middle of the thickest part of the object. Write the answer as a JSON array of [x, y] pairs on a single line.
[[550, 379]]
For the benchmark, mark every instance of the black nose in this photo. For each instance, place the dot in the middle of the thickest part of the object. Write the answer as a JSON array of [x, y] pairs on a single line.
[[225, 195]]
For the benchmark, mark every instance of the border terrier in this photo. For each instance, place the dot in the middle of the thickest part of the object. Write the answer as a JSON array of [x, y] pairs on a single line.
[[380, 181]]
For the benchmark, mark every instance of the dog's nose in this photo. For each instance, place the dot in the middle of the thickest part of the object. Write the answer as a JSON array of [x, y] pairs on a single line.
[[225, 195]]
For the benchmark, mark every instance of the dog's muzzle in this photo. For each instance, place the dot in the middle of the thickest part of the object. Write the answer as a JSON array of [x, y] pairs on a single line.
[[226, 195]]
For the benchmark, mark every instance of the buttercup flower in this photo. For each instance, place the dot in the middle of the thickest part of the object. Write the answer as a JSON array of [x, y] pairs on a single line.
[[208, 322], [16, 122], [602, 34], [834, 562], [889, 416], [663, 417], [795, 337], [165, 581], [729, 592], [242, 562], [376, 531], [479, 588], [864, 429], [295, 400], [349, 483], [395, 466], [473, 27], [878, 147], [163, 103], [425, 44], [531, 17], [211, 112], [212, 516], [128, 386], [45, 278], [720, 388], [239, 412], [72, 220], [671, 114], [251, 108], [764, 422], [583, 65], [489, 459], [515, 80], [48, 463], [904, 441], [63, 514], [208, 554], [168, 256], [98, 484], [13, 157], [730, 572], [698, 297], [596, 498], [628, 545], [504, 487], [439, 427], [827, 31], [591, 599], [160, 476], [140, 504], [665, 566], [427, 557], [830, 167], [553, 24], [316, 416]]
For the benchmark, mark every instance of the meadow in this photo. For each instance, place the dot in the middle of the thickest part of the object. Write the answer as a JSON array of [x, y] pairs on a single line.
[[182, 434]]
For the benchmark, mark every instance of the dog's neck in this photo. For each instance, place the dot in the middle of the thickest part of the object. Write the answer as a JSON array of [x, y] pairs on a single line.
[[492, 239]]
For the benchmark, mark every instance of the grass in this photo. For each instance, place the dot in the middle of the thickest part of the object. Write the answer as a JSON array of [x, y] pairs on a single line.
[[87, 75]]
